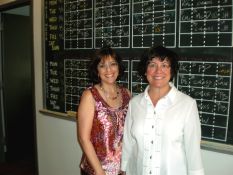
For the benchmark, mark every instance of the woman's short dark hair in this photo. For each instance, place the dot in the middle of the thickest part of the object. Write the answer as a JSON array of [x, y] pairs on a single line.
[[162, 54], [102, 53]]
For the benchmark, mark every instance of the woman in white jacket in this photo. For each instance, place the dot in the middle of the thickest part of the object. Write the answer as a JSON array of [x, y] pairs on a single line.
[[162, 131]]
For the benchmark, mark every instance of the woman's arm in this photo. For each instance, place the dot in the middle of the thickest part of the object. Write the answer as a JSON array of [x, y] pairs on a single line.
[[192, 139], [85, 116]]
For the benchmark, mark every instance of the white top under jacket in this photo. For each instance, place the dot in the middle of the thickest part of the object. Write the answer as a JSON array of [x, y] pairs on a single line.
[[162, 140]]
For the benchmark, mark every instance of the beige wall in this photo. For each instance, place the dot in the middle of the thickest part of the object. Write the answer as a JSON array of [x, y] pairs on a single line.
[[58, 151]]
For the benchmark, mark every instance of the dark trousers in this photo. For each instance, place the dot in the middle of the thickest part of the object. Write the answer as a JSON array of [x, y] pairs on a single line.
[[83, 172]]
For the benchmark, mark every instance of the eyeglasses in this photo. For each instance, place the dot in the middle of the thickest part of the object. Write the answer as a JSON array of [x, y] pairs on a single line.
[[111, 65], [164, 66]]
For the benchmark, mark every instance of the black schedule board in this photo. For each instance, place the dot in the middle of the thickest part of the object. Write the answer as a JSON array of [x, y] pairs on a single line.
[[152, 22], [205, 23], [78, 24], [112, 23], [200, 31], [210, 84]]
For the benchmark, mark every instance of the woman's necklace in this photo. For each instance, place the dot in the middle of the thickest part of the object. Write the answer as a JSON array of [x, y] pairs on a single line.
[[107, 95]]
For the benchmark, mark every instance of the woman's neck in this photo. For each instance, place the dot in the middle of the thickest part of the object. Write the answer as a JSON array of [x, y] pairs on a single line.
[[157, 93], [110, 88], [110, 91]]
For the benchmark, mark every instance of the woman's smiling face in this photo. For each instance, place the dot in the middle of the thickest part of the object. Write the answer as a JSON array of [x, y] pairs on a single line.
[[158, 73], [108, 70]]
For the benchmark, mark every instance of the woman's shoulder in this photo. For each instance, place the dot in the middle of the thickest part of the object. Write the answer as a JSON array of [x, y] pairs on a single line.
[[88, 91], [184, 97], [177, 94], [86, 99]]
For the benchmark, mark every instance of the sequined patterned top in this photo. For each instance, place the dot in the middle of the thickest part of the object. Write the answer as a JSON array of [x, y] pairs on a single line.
[[107, 133]]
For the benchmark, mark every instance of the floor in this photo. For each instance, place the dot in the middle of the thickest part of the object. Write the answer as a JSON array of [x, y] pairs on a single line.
[[17, 168]]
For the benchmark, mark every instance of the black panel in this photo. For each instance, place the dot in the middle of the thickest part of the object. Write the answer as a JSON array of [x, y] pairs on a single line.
[[199, 31]]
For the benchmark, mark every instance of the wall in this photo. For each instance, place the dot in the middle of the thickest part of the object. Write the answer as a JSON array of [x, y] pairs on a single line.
[[58, 151], [217, 163], [57, 147]]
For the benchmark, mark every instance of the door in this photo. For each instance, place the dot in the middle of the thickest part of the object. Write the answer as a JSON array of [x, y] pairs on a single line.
[[2, 121], [17, 88]]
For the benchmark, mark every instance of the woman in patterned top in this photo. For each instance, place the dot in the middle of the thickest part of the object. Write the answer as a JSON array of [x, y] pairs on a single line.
[[101, 115]]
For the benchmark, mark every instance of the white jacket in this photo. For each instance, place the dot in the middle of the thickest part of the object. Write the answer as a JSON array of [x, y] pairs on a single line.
[[162, 140]]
